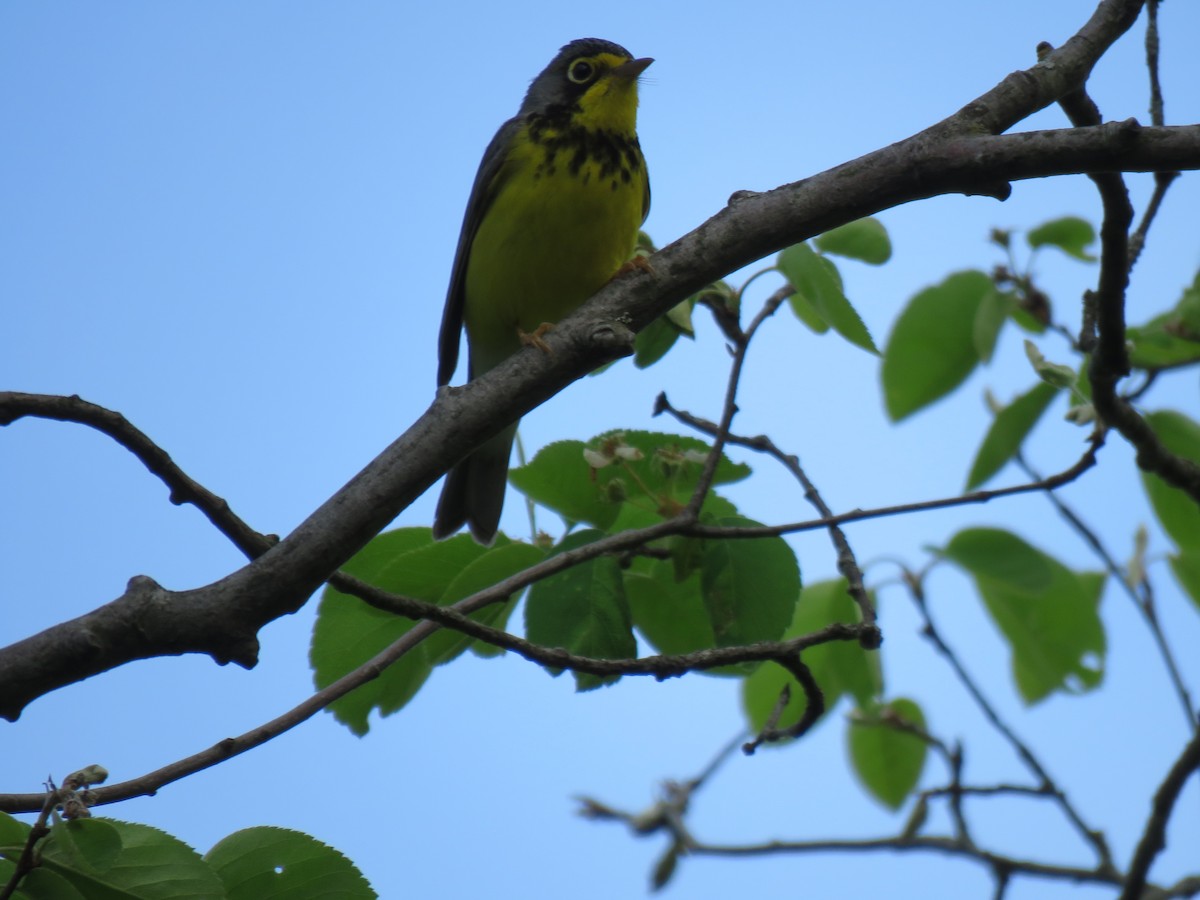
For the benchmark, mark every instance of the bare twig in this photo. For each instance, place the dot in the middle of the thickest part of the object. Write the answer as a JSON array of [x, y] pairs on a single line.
[[1137, 240], [990, 790], [73, 798], [660, 667], [948, 846], [655, 666], [814, 707], [15, 405], [729, 407], [1152, 47], [27, 862], [1153, 838], [1085, 462], [1093, 836], [1162, 180]]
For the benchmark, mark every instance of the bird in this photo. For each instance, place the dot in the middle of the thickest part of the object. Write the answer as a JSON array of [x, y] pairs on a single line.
[[553, 215]]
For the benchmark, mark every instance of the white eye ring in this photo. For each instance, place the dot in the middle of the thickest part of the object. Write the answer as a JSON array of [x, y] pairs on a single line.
[[581, 71]]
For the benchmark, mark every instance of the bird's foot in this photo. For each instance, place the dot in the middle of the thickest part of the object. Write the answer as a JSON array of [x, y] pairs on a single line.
[[534, 338], [638, 263]]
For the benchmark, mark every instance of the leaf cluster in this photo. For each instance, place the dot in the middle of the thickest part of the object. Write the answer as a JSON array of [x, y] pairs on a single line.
[[106, 859]]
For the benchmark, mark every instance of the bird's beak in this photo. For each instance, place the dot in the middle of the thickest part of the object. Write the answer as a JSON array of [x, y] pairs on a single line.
[[632, 69]]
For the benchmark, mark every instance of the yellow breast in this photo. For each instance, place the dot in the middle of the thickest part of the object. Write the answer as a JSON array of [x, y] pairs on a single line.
[[564, 220]]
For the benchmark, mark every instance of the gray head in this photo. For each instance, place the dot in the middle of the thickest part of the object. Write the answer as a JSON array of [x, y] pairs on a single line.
[[573, 71]]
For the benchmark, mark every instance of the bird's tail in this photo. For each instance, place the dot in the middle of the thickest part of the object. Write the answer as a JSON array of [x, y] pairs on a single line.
[[473, 494]]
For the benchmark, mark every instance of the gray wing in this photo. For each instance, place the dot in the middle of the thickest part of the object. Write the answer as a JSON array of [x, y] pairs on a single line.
[[482, 193]]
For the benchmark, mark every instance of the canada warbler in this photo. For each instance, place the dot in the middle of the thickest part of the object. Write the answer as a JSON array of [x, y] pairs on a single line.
[[553, 215]]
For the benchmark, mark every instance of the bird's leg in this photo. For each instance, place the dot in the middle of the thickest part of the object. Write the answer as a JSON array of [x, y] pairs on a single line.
[[638, 263], [534, 339]]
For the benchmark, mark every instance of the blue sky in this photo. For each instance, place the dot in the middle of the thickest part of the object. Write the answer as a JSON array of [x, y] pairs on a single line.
[[234, 222]]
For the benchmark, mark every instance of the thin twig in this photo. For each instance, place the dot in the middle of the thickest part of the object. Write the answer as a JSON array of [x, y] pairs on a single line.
[[1093, 836], [15, 405], [814, 707], [1162, 180], [722, 756], [846, 562], [26, 863], [729, 407], [956, 796], [1153, 838], [948, 846], [660, 667], [655, 666], [1152, 47], [1085, 462], [990, 790], [1137, 240]]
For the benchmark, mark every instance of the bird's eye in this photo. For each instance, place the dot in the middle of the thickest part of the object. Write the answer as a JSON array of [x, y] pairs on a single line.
[[581, 71]]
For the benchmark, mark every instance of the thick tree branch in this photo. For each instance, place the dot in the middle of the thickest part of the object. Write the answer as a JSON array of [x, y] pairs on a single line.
[[958, 155]]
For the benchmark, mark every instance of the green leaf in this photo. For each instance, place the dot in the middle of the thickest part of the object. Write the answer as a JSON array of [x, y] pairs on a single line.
[[149, 864], [816, 280], [1172, 339], [1008, 431], [1178, 513], [1048, 614], [668, 611], [749, 586], [680, 316], [583, 610], [865, 240], [559, 478], [92, 845], [932, 347], [664, 869], [653, 341], [1186, 567], [806, 312], [1159, 344], [994, 310], [594, 482], [275, 862], [42, 884], [888, 761], [348, 632], [494, 565], [840, 667], [1001, 557], [13, 834], [718, 295], [1070, 234], [1055, 374]]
